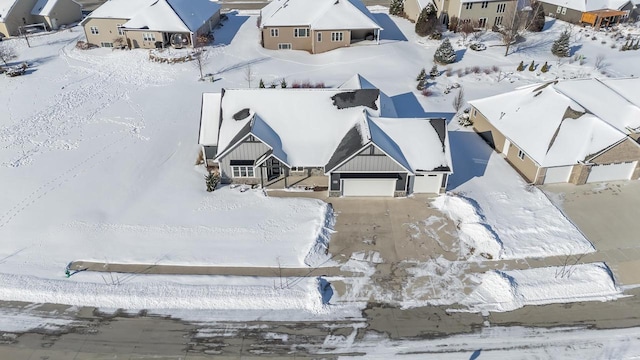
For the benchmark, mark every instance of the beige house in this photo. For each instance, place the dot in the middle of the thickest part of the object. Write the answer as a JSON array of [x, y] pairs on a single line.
[[594, 13], [485, 13], [316, 26], [574, 131], [56, 13], [150, 23]]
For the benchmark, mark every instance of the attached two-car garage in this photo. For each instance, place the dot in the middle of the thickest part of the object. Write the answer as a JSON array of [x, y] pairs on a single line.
[[611, 172]]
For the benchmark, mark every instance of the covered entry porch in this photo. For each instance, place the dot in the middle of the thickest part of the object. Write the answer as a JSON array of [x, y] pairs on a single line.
[[604, 17]]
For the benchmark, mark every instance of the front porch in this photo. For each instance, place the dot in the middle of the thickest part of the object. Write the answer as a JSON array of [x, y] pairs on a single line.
[[295, 182]]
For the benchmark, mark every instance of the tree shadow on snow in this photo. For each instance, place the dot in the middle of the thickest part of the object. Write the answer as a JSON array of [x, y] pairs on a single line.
[[407, 105], [326, 291], [533, 46], [475, 355], [460, 54], [391, 30], [469, 154], [227, 29], [548, 24], [574, 49]]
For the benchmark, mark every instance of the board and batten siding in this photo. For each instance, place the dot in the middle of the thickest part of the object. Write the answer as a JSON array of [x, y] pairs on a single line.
[[246, 150], [371, 159]]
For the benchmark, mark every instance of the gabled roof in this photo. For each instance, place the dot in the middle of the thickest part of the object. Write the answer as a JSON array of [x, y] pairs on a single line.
[[318, 14], [44, 7], [325, 127], [589, 5], [159, 15], [562, 123], [5, 8], [387, 108]]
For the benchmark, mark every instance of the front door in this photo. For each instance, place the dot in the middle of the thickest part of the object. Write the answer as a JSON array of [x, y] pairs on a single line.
[[273, 169]]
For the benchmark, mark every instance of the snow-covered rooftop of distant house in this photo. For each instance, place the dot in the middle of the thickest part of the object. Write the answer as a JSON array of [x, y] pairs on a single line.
[[120, 9], [537, 119], [44, 7], [5, 7], [589, 5], [318, 14], [309, 133]]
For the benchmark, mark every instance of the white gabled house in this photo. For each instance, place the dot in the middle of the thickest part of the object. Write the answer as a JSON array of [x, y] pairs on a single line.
[[572, 131], [347, 137]]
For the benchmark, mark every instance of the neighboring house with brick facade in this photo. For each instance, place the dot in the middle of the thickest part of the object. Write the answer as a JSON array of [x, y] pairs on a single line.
[[348, 139], [572, 131], [316, 26], [485, 13], [54, 13], [150, 23]]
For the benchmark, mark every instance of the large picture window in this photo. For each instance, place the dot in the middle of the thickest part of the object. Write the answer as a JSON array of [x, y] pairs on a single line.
[[301, 32], [242, 171]]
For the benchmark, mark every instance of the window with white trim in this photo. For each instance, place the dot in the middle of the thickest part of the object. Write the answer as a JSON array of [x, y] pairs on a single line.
[[94, 30], [319, 36], [106, 44], [485, 4], [242, 171], [148, 36], [120, 29], [521, 154], [501, 8], [297, 169], [284, 46], [337, 36], [558, 9], [468, 6], [498, 21], [301, 32], [564, 11], [482, 22], [475, 113], [275, 32]]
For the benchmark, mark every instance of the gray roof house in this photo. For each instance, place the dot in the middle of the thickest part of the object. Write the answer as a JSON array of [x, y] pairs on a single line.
[[347, 139]]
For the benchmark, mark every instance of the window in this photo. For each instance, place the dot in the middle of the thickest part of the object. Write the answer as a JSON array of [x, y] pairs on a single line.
[[284, 46], [475, 113], [501, 8], [106, 44], [498, 21], [521, 154], [242, 171], [301, 32], [468, 6], [94, 30], [564, 10], [558, 9], [120, 29], [337, 36], [297, 169], [319, 36], [482, 22], [485, 4], [148, 36], [275, 33]]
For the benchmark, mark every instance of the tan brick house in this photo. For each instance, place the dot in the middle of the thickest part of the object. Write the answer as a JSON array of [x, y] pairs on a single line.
[[150, 23], [316, 26], [485, 13], [54, 13], [573, 131]]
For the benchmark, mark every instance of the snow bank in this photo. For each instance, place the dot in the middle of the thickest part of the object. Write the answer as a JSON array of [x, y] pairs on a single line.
[[475, 234], [509, 290]]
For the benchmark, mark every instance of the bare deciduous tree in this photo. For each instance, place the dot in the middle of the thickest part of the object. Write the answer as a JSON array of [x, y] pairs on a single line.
[[599, 62], [467, 27], [458, 100], [248, 74], [6, 52], [200, 58]]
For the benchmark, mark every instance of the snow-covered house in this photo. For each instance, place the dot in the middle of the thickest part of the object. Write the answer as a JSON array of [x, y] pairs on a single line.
[[150, 23], [316, 26], [349, 138], [594, 12], [483, 14], [573, 131], [57, 12]]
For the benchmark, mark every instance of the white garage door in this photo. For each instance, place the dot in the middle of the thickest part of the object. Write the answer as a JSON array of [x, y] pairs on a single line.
[[558, 174], [368, 187], [427, 184], [611, 172]]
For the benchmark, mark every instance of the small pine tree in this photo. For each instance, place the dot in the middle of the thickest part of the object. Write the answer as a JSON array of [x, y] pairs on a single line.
[[560, 47], [261, 84], [396, 7], [532, 67], [422, 84], [434, 72], [427, 22], [444, 53], [283, 83], [521, 66], [212, 180], [545, 67], [422, 75], [537, 23]]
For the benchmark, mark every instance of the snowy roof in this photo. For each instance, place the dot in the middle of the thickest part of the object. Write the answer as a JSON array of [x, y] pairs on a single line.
[[563, 122], [159, 15], [209, 119], [589, 5], [5, 7], [318, 14], [387, 107], [325, 127], [44, 7]]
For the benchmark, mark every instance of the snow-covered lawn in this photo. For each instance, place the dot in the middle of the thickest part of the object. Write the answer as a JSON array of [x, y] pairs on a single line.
[[97, 154]]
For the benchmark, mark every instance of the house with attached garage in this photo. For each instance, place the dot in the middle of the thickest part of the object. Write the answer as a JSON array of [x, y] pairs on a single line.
[[53, 13], [150, 24], [347, 140], [316, 26], [571, 131], [484, 14], [593, 12]]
